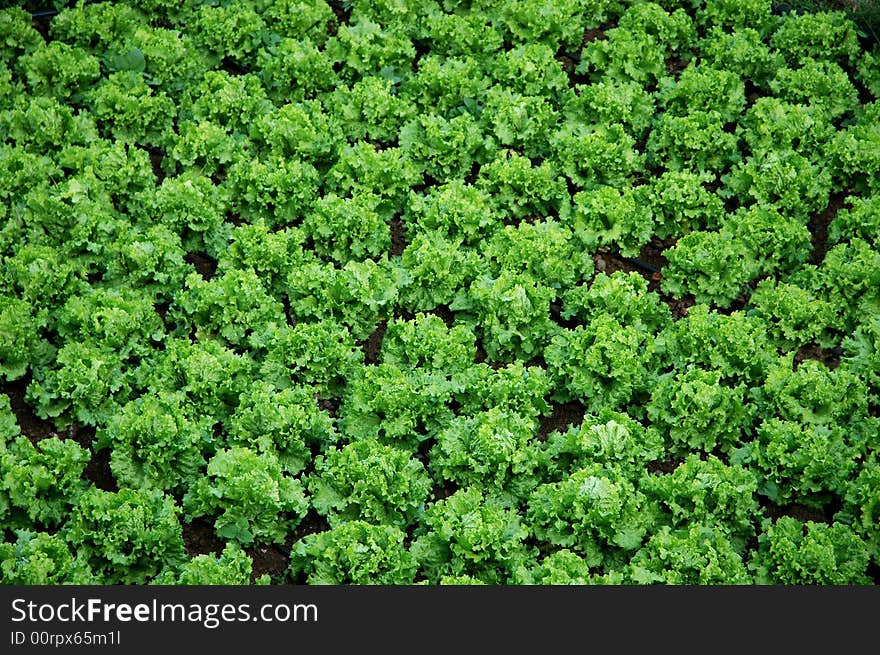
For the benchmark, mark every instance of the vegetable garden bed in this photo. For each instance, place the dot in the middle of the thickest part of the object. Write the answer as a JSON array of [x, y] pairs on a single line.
[[433, 292]]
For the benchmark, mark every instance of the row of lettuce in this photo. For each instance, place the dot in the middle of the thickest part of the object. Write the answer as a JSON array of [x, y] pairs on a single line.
[[285, 140]]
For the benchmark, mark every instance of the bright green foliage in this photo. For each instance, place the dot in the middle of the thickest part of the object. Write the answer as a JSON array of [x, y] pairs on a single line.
[[681, 203], [234, 306], [321, 355], [595, 155], [519, 121], [855, 151], [38, 558], [367, 48], [695, 411], [40, 483], [467, 532], [354, 553], [494, 448], [299, 129], [734, 344], [358, 295], [60, 70], [210, 375], [606, 216], [795, 553], [299, 18], [612, 439], [8, 424], [283, 423], [522, 189], [460, 34], [623, 296], [455, 210], [21, 344], [596, 512], [249, 495], [772, 124], [398, 406], [295, 69], [783, 180], [522, 292], [738, 14], [694, 555], [800, 462], [813, 393], [695, 142], [545, 21], [862, 506], [511, 312], [279, 190], [545, 250], [701, 88], [794, 316], [530, 70], [611, 100], [130, 110], [861, 221], [822, 85], [234, 30], [512, 388], [89, 384], [231, 567], [368, 481], [427, 343], [435, 268], [127, 537], [371, 110], [716, 266], [387, 172], [561, 567], [710, 493], [605, 364], [343, 229], [742, 51], [823, 35], [270, 253], [444, 148]]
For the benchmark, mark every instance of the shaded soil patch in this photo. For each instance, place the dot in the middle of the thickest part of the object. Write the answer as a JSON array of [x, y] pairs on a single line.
[[398, 237], [830, 358], [268, 559], [663, 466], [199, 538], [275, 560], [31, 425], [818, 226], [372, 346], [563, 416], [801, 512], [205, 265]]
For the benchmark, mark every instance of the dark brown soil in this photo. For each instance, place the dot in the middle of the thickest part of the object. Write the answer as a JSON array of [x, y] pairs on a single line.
[[663, 466], [445, 313], [372, 346], [563, 416], [268, 559], [205, 265], [819, 223], [199, 538], [797, 511], [32, 426], [398, 237], [830, 358], [97, 471], [593, 35]]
